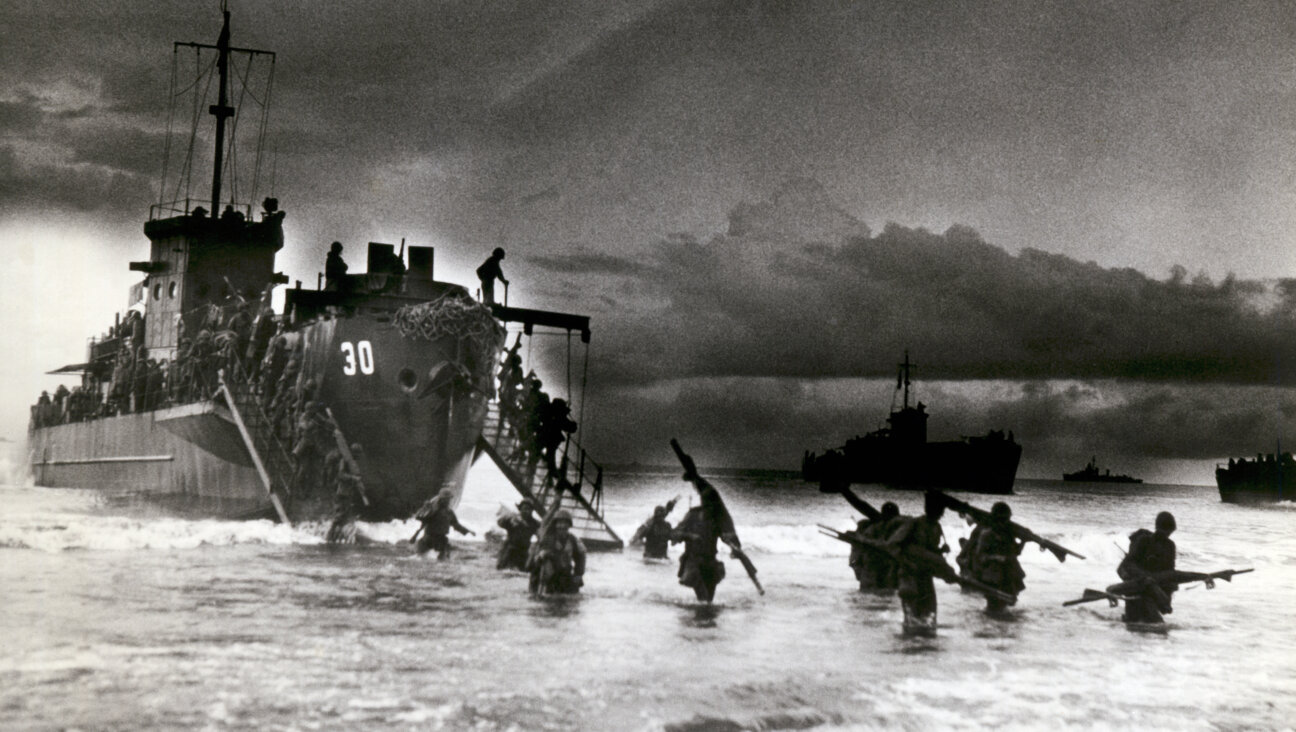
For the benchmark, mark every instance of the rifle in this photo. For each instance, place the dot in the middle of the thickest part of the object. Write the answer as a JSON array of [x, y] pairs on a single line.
[[735, 550], [1018, 531], [690, 468], [1092, 595], [924, 560], [1175, 577], [737, 553], [345, 450]]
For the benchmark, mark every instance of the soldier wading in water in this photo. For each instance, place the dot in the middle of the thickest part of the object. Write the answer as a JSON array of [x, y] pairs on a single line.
[[558, 558], [700, 529]]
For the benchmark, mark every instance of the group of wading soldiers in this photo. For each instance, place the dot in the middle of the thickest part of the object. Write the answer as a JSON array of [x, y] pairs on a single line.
[[554, 557], [890, 552], [905, 554], [894, 553], [555, 560]]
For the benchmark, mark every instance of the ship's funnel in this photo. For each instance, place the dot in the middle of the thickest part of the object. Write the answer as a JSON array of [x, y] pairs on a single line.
[[420, 262], [380, 255]]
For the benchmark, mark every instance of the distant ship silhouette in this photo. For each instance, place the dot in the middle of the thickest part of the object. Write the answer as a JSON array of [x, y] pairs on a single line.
[[899, 456]]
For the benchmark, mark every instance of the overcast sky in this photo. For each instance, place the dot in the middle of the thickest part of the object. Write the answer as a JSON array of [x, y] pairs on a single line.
[[1078, 217]]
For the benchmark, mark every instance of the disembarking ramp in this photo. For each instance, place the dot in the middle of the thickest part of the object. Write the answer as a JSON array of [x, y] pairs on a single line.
[[584, 478]]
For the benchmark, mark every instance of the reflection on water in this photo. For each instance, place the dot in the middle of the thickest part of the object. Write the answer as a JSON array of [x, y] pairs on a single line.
[[700, 616]]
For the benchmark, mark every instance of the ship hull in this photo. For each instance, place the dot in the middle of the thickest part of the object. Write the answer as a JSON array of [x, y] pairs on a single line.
[[385, 389], [951, 466], [1256, 486], [136, 455]]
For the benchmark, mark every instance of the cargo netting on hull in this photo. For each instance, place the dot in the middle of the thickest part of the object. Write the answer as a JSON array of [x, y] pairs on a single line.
[[453, 315]]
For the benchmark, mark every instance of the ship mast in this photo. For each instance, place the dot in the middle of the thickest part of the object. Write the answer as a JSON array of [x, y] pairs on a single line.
[[904, 378], [221, 110]]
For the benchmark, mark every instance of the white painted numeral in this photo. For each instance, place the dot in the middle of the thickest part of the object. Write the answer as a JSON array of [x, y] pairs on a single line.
[[348, 352], [366, 361], [366, 357]]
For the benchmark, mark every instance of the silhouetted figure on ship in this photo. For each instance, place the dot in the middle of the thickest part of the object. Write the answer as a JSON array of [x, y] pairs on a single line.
[[41, 410], [272, 366], [488, 272], [263, 329], [655, 533], [335, 269], [518, 529], [241, 323], [60, 403], [993, 557], [437, 518], [1150, 552], [557, 563], [231, 216], [155, 385]]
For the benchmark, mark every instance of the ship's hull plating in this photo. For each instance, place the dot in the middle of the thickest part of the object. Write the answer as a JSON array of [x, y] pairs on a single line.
[[954, 466], [136, 455], [1256, 485], [417, 429]]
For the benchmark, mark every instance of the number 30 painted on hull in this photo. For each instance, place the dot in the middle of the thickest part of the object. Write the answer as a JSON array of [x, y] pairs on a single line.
[[364, 351]]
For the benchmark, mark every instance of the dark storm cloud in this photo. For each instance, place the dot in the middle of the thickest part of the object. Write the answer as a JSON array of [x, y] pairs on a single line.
[[771, 301], [126, 150], [45, 188], [592, 263]]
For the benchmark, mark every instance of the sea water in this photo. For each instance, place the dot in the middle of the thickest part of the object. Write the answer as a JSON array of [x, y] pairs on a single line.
[[114, 617]]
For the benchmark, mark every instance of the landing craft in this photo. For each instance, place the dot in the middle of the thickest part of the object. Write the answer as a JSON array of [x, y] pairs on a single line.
[[206, 399], [1266, 479], [899, 456]]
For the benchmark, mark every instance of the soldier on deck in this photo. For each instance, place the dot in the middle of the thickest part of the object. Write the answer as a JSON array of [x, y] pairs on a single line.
[[272, 366], [488, 272], [335, 269], [558, 563], [263, 330], [241, 324], [519, 528]]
